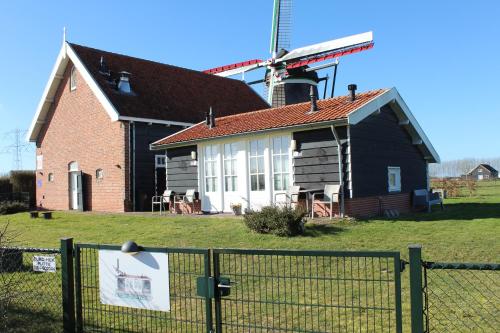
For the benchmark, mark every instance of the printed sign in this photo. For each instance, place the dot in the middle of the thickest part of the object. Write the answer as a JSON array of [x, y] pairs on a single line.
[[136, 281], [44, 264]]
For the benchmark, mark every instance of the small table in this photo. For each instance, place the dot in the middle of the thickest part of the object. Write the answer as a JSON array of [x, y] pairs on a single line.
[[309, 193]]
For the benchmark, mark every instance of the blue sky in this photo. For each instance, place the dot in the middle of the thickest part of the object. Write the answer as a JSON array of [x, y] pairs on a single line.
[[441, 55]]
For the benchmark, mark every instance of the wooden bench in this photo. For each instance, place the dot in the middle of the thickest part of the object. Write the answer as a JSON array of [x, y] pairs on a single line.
[[424, 198], [47, 215]]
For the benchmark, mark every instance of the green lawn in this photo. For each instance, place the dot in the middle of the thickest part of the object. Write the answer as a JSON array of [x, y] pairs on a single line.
[[468, 230]]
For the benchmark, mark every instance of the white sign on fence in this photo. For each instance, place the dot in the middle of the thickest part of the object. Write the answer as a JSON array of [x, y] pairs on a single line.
[[46, 264], [135, 281]]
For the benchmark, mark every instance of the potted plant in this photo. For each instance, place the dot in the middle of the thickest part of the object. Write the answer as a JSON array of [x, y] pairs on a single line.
[[236, 207]]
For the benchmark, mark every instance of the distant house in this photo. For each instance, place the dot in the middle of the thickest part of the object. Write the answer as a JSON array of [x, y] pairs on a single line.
[[482, 172], [369, 142], [97, 116]]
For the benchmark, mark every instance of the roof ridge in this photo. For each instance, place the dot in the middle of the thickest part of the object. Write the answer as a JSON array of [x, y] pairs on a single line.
[[284, 107], [154, 62]]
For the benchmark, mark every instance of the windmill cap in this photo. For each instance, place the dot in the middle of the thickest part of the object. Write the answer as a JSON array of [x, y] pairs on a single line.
[[130, 247]]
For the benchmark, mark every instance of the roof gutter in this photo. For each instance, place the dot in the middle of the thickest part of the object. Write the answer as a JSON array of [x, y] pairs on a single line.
[[338, 122]]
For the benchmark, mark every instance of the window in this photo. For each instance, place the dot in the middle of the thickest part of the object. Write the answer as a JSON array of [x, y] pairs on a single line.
[[73, 166], [99, 174], [394, 179], [230, 174], [211, 153], [480, 170], [39, 162], [257, 172], [160, 161], [51, 177], [281, 162], [72, 79]]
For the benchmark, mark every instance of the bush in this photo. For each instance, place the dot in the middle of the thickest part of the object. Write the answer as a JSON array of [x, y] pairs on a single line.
[[24, 181], [12, 207], [277, 221]]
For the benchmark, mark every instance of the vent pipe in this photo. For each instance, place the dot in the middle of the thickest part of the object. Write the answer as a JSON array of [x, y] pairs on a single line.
[[210, 118], [124, 82], [314, 105], [352, 89]]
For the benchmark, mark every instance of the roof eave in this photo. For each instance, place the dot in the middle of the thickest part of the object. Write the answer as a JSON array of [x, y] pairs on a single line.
[[394, 99]]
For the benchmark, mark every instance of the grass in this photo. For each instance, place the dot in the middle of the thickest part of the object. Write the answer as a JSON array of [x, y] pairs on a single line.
[[466, 231]]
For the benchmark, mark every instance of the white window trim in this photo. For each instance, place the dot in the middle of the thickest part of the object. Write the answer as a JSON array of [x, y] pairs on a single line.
[[50, 177], [72, 79], [397, 172], [160, 165], [215, 170], [259, 172], [281, 154], [233, 159], [39, 162]]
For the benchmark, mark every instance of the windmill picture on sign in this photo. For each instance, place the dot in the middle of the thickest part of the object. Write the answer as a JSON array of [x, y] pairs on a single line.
[[137, 281], [132, 286]]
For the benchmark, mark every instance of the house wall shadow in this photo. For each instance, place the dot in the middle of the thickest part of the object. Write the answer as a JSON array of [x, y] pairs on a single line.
[[457, 211]]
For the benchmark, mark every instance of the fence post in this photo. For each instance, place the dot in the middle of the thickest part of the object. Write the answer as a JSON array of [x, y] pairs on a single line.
[[416, 296], [68, 285]]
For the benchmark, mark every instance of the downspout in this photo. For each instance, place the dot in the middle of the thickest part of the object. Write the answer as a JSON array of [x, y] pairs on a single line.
[[131, 161], [341, 172]]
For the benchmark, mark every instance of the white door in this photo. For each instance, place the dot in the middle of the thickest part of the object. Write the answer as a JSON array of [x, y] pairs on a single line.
[[211, 200], [479, 177], [74, 189], [234, 175], [258, 170]]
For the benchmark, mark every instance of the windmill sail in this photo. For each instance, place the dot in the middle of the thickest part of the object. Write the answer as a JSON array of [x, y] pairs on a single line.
[[281, 26]]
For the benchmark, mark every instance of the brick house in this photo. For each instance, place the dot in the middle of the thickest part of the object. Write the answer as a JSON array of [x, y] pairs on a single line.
[[368, 143], [97, 116]]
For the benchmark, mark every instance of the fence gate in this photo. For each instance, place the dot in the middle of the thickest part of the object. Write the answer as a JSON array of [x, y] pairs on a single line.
[[189, 312], [307, 291]]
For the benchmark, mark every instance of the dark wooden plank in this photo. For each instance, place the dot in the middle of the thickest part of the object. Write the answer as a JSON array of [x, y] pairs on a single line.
[[309, 169], [317, 144], [325, 160], [181, 176], [317, 178], [319, 152]]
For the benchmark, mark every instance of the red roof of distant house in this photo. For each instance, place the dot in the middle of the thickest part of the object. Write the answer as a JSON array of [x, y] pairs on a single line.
[[291, 115], [165, 92]]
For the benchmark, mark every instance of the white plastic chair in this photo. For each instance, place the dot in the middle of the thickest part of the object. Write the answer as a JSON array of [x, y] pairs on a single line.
[[162, 201], [331, 195], [189, 198], [291, 196]]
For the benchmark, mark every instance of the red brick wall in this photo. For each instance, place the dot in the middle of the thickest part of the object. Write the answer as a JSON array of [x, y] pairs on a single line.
[[369, 206], [79, 129]]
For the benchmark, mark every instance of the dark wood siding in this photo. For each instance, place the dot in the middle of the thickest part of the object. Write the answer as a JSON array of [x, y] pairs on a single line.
[[145, 162], [181, 173], [378, 142], [317, 163]]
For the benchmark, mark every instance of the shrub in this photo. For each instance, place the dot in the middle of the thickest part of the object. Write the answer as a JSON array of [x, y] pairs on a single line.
[[24, 181], [5, 185], [277, 221], [12, 207]]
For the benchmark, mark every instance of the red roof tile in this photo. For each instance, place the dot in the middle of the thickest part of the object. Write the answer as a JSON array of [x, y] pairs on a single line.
[[165, 92], [297, 114]]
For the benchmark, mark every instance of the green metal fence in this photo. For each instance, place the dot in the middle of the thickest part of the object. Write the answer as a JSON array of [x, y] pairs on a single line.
[[461, 297], [308, 291], [189, 312], [30, 301]]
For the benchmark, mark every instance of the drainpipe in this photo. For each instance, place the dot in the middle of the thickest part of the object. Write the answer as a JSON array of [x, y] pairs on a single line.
[[131, 158], [341, 173]]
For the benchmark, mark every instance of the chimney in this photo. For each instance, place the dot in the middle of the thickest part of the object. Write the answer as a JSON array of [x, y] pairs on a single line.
[[314, 105], [352, 89], [124, 82], [103, 68], [210, 119]]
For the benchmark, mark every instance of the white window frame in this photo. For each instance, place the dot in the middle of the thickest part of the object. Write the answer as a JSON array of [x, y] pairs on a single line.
[[256, 157], [210, 154], [72, 79], [39, 162], [50, 177], [396, 171], [99, 174], [160, 161], [232, 173], [280, 154]]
